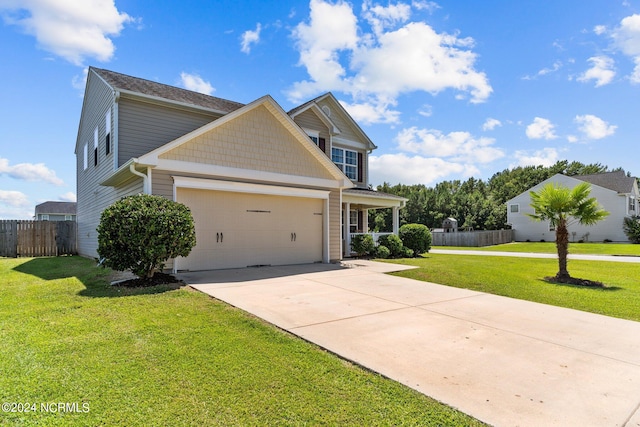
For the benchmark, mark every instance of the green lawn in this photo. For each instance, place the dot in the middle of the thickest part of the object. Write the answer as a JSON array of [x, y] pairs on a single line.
[[522, 278], [168, 356], [550, 248]]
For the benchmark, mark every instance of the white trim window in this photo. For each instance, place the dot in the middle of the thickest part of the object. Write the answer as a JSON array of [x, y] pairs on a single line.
[[95, 147], [346, 160], [314, 135], [107, 131], [86, 156], [632, 205], [515, 208]]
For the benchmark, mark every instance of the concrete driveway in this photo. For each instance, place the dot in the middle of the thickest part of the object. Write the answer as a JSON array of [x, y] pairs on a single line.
[[504, 361]]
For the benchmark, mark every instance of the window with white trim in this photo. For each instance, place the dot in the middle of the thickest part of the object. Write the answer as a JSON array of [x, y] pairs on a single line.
[[68, 217], [95, 147], [346, 160], [45, 217], [514, 208], [86, 156], [107, 127], [632, 204], [353, 221]]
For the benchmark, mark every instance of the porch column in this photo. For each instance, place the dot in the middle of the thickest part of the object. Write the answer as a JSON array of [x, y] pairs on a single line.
[[365, 220], [347, 229], [396, 220]]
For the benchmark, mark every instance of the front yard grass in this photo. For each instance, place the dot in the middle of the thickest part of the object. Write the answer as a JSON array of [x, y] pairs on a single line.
[[169, 356], [550, 248], [522, 278]]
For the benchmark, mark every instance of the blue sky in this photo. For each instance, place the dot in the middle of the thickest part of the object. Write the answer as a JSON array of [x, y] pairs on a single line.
[[446, 90]]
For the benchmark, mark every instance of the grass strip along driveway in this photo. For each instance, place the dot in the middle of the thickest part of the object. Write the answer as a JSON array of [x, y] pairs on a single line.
[[550, 248], [522, 278], [172, 356]]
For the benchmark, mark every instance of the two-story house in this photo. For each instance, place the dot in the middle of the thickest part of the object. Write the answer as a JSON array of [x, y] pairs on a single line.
[[56, 211], [616, 193], [265, 186]]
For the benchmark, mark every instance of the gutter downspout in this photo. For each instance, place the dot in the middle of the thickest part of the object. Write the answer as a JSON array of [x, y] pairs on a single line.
[[145, 178]]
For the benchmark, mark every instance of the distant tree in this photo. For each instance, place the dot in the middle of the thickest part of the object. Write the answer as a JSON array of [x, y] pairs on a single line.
[[559, 205]]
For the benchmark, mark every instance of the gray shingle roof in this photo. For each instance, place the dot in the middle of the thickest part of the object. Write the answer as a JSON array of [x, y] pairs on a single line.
[[66, 208], [617, 181], [172, 93], [372, 193]]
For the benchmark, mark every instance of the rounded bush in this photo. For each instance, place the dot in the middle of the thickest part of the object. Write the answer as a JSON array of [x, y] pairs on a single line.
[[383, 252], [393, 243], [416, 237], [362, 244], [632, 228], [139, 233]]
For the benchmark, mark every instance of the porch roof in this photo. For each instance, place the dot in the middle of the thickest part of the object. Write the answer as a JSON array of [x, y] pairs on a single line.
[[370, 199]]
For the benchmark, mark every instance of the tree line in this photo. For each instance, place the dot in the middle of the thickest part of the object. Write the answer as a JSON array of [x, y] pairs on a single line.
[[476, 204]]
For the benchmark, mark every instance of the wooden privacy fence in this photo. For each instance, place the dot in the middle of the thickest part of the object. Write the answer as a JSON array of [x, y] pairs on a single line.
[[20, 238], [472, 238]]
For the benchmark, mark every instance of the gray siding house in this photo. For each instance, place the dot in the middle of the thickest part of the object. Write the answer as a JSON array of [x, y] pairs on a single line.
[[56, 211], [265, 186], [617, 193]]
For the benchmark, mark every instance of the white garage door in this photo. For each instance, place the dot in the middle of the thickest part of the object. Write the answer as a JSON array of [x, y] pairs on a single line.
[[239, 229]]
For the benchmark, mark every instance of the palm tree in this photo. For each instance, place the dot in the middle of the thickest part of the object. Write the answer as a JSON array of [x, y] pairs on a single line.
[[559, 205]]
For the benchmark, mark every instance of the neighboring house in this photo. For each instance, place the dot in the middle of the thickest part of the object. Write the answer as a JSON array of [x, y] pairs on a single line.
[[616, 193], [265, 187], [56, 211]]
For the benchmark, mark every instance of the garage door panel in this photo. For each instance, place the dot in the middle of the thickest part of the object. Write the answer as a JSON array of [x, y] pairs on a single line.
[[239, 229]]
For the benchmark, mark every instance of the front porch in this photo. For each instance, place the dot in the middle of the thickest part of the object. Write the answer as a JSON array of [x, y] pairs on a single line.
[[356, 204]]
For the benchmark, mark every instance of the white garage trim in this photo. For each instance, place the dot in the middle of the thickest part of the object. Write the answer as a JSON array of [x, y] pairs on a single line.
[[241, 187], [272, 190]]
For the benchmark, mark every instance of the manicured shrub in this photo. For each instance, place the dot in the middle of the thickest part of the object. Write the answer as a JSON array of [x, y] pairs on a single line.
[[416, 237], [363, 245], [631, 228], [407, 252], [393, 243], [383, 252], [139, 233]]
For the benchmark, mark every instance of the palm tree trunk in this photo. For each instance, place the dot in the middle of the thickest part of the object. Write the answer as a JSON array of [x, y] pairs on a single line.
[[562, 245]]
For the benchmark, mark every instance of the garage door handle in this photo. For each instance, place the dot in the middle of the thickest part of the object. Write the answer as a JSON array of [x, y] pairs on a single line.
[[292, 237], [217, 237], [221, 237]]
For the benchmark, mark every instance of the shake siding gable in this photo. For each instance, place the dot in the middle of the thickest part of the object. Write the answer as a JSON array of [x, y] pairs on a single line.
[[256, 140], [144, 126]]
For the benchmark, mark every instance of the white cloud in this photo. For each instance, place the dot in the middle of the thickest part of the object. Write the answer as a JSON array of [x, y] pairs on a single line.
[[627, 38], [602, 71], [13, 198], [555, 67], [491, 124], [401, 168], [594, 127], [429, 6], [457, 146], [71, 29], [381, 18], [541, 129], [196, 83], [339, 55], [250, 38], [80, 81], [68, 197], [367, 113], [15, 205], [545, 157], [29, 172]]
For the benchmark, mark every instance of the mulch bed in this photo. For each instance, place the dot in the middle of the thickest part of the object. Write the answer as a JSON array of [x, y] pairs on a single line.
[[575, 281], [157, 279]]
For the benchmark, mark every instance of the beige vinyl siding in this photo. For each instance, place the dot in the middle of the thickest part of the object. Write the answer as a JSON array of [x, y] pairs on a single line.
[[143, 127], [345, 126], [309, 120]]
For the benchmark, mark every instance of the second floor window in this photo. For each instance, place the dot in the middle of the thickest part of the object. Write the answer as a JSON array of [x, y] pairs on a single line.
[[347, 161], [632, 204]]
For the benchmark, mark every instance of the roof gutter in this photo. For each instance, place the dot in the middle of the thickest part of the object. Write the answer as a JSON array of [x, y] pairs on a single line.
[[145, 178]]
